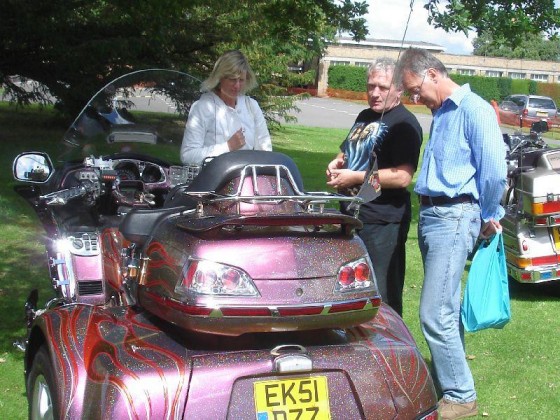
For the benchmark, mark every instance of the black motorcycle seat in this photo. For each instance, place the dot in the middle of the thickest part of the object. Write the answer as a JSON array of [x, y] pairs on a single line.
[[138, 224]]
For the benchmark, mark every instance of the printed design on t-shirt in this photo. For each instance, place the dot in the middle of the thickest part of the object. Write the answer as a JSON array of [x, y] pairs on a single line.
[[359, 150], [362, 139]]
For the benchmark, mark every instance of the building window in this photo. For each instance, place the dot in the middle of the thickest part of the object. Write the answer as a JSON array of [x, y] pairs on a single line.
[[466, 72], [539, 77], [341, 63], [493, 73], [515, 75], [362, 63]]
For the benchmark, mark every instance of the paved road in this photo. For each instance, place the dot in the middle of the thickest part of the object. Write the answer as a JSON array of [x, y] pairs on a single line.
[[338, 113]]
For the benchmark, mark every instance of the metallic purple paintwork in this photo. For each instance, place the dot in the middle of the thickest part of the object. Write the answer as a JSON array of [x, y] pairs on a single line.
[[124, 363], [230, 294], [291, 269]]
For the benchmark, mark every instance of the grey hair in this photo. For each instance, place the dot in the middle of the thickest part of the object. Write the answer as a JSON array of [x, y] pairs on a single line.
[[417, 61], [230, 64], [385, 64]]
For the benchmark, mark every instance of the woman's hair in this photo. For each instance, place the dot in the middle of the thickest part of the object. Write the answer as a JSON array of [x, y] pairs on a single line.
[[231, 64]]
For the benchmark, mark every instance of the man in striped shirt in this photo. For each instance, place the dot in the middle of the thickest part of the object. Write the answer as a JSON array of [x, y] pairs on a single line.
[[460, 185]]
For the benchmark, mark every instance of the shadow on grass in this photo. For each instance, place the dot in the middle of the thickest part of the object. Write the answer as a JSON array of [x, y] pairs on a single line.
[[537, 292], [22, 269]]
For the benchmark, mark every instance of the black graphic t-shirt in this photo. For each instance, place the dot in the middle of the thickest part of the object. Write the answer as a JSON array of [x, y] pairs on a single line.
[[360, 141], [396, 141]]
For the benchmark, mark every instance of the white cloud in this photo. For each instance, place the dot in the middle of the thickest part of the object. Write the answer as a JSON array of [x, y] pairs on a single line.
[[387, 19]]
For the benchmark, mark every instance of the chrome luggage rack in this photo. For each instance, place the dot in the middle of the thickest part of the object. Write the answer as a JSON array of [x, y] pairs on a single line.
[[310, 202]]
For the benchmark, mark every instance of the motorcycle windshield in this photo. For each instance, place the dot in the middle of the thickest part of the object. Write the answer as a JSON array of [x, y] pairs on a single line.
[[141, 112]]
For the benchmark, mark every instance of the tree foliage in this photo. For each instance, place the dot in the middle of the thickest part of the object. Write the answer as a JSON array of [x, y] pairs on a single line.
[[533, 47], [510, 19], [73, 47]]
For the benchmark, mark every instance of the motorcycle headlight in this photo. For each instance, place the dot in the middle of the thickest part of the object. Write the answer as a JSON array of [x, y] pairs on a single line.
[[210, 278]]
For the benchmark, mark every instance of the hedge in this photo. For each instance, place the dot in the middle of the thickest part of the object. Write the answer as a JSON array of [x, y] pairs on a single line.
[[487, 87], [348, 78], [353, 78]]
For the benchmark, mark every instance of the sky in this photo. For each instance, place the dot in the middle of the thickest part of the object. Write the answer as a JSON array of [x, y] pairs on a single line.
[[387, 20]]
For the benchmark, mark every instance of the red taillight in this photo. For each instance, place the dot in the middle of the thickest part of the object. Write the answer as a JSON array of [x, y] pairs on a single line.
[[348, 306], [300, 310], [540, 221], [546, 207], [524, 245], [546, 260], [346, 276], [210, 278], [183, 307], [525, 276], [205, 279], [361, 272], [190, 275], [231, 279], [354, 275], [551, 207]]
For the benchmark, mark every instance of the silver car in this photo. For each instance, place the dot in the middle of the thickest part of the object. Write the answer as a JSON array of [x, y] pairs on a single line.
[[523, 110]]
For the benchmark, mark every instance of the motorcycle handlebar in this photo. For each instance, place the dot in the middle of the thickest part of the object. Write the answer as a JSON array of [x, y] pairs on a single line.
[[61, 197]]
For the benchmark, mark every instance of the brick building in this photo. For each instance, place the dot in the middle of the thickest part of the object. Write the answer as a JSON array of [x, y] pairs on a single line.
[[349, 52]]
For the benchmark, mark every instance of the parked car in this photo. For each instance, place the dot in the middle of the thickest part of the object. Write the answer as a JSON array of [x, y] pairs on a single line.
[[524, 110]]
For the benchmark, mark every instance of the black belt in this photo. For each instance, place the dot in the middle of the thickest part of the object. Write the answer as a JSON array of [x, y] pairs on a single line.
[[442, 200]]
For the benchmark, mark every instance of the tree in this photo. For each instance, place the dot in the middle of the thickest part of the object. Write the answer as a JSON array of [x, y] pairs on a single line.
[[73, 47], [533, 47], [510, 19]]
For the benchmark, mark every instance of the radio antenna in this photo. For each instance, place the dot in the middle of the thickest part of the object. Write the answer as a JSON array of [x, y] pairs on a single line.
[[411, 7]]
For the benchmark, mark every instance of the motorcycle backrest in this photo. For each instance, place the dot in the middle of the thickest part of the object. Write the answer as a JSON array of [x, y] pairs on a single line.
[[220, 170], [529, 161], [223, 168]]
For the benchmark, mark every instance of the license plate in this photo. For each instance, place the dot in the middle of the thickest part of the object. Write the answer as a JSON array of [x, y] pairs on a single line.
[[542, 114], [296, 398]]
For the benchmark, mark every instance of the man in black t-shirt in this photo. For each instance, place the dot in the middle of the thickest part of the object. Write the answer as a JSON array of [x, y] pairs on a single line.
[[394, 134]]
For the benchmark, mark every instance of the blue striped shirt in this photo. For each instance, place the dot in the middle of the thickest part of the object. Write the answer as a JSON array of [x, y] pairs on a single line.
[[465, 153]]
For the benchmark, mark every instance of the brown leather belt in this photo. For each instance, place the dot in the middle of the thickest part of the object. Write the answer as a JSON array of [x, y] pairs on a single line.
[[443, 200]]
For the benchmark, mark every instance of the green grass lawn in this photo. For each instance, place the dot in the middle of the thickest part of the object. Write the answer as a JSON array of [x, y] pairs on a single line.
[[516, 369]]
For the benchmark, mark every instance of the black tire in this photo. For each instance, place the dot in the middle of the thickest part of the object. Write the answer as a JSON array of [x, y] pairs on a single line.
[[42, 390]]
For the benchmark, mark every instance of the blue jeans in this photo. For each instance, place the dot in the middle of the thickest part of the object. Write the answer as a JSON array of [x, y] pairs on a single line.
[[446, 235], [386, 248]]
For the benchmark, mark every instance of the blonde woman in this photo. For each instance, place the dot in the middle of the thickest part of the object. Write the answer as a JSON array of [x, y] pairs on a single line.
[[224, 118]]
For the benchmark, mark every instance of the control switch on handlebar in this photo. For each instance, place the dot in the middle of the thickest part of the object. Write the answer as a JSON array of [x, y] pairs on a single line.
[[60, 198]]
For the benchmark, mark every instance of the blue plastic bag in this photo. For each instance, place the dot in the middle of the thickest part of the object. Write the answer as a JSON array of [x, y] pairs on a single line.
[[486, 298]]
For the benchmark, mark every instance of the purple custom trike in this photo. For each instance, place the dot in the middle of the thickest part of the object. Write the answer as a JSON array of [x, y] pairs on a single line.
[[217, 291]]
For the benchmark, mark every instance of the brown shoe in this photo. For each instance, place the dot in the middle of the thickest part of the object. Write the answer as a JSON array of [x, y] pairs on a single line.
[[449, 410]]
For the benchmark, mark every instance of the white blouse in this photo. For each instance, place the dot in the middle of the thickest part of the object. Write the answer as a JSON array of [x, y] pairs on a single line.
[[211, 124]]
